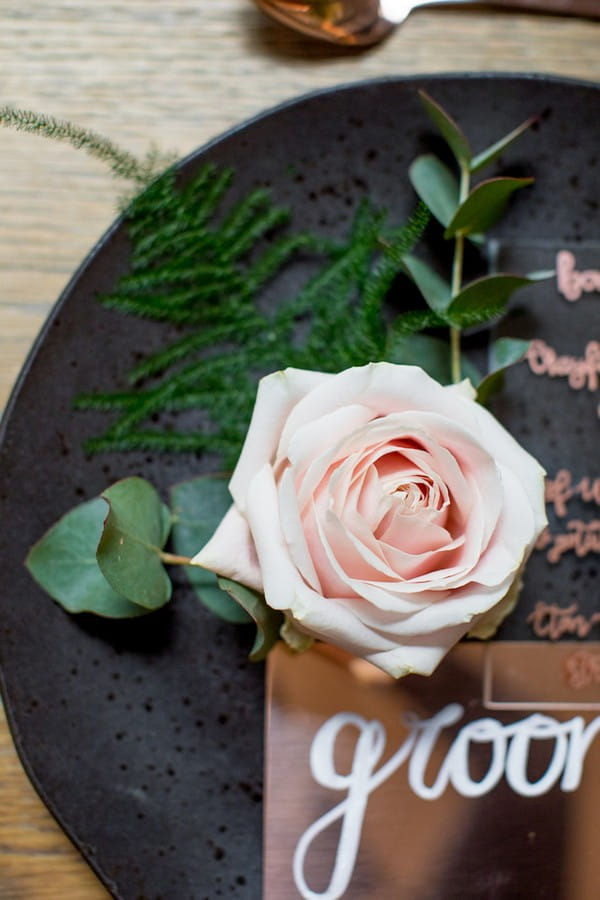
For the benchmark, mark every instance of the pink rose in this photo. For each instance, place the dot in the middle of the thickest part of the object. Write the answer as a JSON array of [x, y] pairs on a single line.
[[380, 511]]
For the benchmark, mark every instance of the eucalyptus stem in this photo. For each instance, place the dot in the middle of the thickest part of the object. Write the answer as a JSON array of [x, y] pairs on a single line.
[[457, 267], [457, 273], [172, 559]]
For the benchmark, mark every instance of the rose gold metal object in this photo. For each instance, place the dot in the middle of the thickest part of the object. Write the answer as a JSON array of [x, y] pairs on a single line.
[[364, 22]]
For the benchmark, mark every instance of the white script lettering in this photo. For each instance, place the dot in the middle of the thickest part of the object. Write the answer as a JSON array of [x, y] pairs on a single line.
[[509, 755]]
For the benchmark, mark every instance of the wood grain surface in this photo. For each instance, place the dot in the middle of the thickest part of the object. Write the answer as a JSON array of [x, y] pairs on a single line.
[[174, 73]]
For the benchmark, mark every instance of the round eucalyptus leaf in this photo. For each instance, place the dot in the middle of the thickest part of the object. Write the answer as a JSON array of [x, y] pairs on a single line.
[[436, 185], [64, 564], [135, 530], [198, 507]]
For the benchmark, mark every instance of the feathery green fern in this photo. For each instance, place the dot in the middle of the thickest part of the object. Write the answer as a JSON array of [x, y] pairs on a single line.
[[196, 267]]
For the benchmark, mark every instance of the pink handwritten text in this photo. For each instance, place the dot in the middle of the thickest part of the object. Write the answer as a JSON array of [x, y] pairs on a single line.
[[582, 538], [560, 489], [580, 372], [582, 668], [571, 283], [548, 620]]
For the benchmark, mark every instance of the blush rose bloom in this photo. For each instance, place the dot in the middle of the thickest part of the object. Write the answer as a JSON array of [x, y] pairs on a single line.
[[380, 511]]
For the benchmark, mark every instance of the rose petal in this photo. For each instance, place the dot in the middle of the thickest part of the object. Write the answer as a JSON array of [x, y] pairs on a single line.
[[230, 552], [293, 531], [277, 395], [420, 656]]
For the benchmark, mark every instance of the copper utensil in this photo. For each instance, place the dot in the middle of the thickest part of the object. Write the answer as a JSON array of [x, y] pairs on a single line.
[[364, 22]]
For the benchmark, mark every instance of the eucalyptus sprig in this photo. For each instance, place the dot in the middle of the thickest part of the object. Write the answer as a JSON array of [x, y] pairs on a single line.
[[107, 556], [466, 212]]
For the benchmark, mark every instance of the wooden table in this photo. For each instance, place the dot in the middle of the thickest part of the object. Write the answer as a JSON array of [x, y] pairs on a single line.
[[176, 73]]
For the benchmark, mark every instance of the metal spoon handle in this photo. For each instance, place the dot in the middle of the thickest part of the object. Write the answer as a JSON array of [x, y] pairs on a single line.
[[564, 7], [364, 22], [399, 9]]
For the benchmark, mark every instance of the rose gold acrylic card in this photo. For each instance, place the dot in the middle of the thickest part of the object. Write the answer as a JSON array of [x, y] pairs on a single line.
[[481, 781]]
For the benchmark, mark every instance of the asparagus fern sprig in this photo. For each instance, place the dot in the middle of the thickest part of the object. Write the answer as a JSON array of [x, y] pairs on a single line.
[[122, 163], [196, 267]]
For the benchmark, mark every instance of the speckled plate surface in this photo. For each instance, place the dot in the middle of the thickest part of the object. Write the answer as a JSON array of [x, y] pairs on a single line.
[[145, 738]]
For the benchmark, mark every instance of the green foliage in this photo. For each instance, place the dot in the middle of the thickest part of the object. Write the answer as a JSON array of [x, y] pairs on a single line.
[[431, 354], [437, 187], [458, 143], [268, 621], [436, 291], [121, 163], [197, 266], [491, 153], [504, 352], [484, 206], [135, 531], [483, 299], [465, 212], [448, 128], [105, 556], [198, 506], [64, 564]]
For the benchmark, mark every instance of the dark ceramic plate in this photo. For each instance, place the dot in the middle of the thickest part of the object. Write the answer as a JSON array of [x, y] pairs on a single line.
[[145, 739]]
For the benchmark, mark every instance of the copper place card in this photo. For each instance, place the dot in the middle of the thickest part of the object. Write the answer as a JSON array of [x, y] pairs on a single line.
[[480, 781]]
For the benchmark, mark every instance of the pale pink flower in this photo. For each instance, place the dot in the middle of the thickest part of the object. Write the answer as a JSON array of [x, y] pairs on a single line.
[[380, 511]]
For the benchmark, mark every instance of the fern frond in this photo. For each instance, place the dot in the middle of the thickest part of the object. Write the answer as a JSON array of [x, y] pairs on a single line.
[[199, 264], [194, 343], [417, 320]]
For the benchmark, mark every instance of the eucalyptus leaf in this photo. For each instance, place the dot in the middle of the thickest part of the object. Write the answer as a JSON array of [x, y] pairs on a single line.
[[484, 206], [437, 187], [135, 530], [432, 354], [268, 621], [492, 152], [198, 507], [448, 128], [63, 562], [435, 290], [504, 352], [491, 384], [483, 299], [469, 370]]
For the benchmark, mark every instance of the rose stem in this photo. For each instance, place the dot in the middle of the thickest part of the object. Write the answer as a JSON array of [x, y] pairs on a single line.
[[457, 270]]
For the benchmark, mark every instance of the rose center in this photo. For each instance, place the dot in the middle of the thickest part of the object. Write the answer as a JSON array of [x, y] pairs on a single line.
[[411, 495]]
